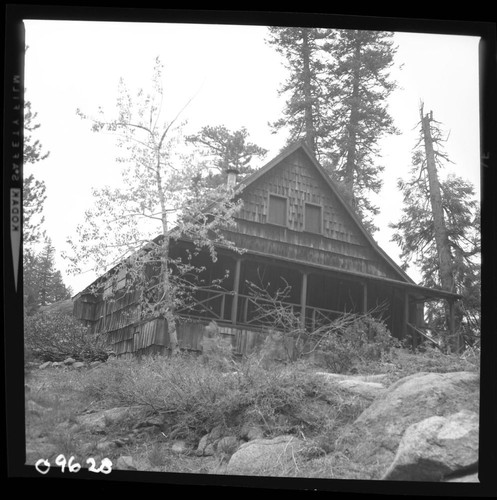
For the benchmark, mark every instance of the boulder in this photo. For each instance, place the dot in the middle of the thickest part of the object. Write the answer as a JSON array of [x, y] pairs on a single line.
[[436, 447], [227, 445], [69, 361], [369, 390], [125, 463], [179, 447], [45, 365], [367, 387], [379, 377], [209, 450], [216, 433], [202, 445], [373, 439], [249, 432], [105, 446], [265, 457], [208, 444], [98, 421], [78, 364]]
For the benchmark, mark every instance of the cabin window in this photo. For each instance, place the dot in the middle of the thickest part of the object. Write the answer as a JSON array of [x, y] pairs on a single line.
[[313, 218], [277, 212]]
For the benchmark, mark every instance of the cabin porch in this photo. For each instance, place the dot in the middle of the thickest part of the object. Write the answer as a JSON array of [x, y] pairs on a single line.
[[224, 293], [316, 295]]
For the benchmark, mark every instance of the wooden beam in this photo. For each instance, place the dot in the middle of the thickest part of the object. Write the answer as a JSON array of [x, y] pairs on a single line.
[[236, 290], [303, 299], [429, 293], [405, 319], [365, 297]]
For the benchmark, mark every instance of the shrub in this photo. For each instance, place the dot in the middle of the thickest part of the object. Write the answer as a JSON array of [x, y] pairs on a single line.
[[216, 349], [351, 341], [57, 336], [431, 359], [195, 397]]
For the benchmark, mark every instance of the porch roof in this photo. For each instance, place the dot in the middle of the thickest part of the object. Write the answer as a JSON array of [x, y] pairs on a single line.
[[420, 291]]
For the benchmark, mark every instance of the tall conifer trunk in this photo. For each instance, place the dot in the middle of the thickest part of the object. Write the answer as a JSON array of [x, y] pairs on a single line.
[[352, 128], [439, 226], [440, 229], [310, 133]]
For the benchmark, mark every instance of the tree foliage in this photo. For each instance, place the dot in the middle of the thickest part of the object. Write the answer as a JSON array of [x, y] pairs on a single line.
[[34, 190], [359, 83], [131, 226], [43, 283], [306, 109], [337, 89], [223, 149]]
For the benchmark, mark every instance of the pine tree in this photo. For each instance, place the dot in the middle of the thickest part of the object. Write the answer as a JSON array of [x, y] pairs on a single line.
[[34, 190], [43, 283], [305, 56], [222, 149], [337, 89], [441, 216], [359, 84]]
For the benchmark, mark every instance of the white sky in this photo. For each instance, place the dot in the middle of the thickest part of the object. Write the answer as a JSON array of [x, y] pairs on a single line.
[[235, 77]]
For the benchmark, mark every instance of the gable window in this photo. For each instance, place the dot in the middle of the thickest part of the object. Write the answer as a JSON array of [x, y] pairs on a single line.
[[313, 218], [277, 211]]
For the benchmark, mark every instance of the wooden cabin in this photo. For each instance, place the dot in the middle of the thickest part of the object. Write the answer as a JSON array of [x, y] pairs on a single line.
[[296, 231]]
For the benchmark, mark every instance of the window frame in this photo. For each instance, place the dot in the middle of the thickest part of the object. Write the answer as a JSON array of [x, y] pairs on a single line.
[[321, 221], [281, 197]]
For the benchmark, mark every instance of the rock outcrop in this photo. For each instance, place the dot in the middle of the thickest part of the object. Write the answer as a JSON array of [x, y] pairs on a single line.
[[374, 438], [265, 457], [368, 387], [436, 447], [98, 421]]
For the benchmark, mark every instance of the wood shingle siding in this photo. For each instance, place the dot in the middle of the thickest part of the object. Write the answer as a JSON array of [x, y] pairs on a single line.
[[340, 244]]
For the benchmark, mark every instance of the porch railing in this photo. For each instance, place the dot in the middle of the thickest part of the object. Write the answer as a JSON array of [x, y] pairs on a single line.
[[254, 312], [213, 306]]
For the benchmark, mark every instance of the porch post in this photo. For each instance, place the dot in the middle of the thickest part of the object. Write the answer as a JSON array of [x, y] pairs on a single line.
[[236, 290], [365, 297], [303, 299], [405, 320]]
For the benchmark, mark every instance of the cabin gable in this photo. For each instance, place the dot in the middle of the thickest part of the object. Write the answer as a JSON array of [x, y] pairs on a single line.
[[317, 228]]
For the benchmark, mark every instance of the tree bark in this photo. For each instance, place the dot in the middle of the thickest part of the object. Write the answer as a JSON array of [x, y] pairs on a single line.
[[310, 132], [440, 230], [167, 310], [350, 165]]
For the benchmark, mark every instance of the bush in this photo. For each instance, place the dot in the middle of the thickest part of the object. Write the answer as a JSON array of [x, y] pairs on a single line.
[[431, 359], [352, 341], [57, 336], [195, 397], [216, 349]]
